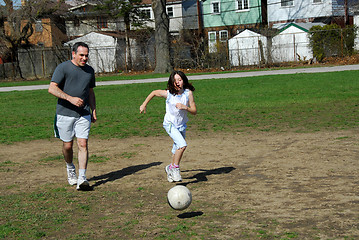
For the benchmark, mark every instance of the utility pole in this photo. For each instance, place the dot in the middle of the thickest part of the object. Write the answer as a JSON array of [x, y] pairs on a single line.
[[346, 14]]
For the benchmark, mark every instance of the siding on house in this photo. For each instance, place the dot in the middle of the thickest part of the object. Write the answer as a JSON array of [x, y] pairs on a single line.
[[184, 14], [303, 10], [46, 33], [229, 14], [190, 14]]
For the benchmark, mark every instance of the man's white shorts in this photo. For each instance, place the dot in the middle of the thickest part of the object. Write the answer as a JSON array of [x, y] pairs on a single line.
[[66, 128]]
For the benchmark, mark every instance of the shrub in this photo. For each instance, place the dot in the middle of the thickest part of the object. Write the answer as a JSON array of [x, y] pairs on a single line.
[[332, 40]]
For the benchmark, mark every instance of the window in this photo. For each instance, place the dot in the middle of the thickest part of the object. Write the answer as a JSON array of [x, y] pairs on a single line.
[[102, 22], [286, 3], [223, 35], [215, 7], [76, 22], [212, 42], [242, 5], [317, 1], [146, 13], [38, 26], [170, 12]]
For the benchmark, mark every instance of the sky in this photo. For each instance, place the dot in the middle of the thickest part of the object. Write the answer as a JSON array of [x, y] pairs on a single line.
[[16, 2]]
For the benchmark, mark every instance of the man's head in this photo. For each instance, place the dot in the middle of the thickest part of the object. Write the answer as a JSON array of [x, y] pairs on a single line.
[[80, 52]]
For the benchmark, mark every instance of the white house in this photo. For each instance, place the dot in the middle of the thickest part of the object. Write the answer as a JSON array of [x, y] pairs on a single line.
[[182, 14], [280, 11], [82, 19], [325, 11], [247, 48], [292, 43]]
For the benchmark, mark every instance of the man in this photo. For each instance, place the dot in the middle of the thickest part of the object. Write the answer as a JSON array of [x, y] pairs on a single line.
[[72, 83]]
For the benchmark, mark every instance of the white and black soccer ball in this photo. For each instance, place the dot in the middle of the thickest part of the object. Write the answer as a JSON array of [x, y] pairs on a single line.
[[179, 197]]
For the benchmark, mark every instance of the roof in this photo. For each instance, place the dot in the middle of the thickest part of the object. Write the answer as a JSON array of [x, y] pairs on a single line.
[[78, 4], [302, 26], [149, 2]]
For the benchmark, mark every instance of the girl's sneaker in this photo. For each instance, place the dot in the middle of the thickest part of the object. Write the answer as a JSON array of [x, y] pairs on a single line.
[[176, 175], [169, 173]]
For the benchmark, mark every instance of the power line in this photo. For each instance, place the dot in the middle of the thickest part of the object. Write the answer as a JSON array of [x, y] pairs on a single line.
[[240, 12]]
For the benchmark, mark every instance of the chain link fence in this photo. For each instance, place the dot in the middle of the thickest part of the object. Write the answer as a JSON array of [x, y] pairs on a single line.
[[190, 51]]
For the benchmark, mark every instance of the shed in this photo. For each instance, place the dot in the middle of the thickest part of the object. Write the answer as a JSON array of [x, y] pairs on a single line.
[[356, 24], [103, 49], [292, 43], [247, 48]]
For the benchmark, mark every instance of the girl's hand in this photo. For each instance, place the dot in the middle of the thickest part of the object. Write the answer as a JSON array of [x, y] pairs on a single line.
[[143, 108], [181, 106]]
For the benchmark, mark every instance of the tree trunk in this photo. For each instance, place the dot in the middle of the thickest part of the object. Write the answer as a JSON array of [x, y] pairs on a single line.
[[128, 51], [163, 61]]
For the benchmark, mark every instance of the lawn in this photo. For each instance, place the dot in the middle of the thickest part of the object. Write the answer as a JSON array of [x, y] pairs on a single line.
[[299, 102], [271, 157]]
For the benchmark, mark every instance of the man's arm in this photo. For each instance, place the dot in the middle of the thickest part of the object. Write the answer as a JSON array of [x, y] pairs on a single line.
[[57, 92], [92, 102]]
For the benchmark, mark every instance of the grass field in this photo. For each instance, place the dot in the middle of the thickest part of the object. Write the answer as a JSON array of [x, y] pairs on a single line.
[[135, 209], [300, 102]]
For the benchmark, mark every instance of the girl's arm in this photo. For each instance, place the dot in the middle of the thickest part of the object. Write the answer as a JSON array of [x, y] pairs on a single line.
[[192, 105], [155, 93]]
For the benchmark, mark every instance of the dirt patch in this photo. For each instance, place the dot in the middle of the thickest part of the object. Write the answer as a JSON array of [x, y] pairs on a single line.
[[306, 183]]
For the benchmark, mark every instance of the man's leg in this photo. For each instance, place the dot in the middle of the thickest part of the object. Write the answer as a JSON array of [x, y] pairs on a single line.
[[67, 150], [82, 183], [83, 152]]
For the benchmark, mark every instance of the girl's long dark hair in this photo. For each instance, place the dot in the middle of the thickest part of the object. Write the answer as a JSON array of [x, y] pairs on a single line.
[[171, 82]]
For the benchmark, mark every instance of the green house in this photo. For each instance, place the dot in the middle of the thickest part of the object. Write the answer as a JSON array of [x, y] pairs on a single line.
[[222, 19]]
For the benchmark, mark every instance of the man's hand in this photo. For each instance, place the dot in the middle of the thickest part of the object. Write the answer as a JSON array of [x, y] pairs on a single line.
[[78, 102], [93, 116]]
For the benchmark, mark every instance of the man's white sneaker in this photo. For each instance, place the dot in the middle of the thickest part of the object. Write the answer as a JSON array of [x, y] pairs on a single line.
[[71, 176], [176, 176], [169, 173], [82, 183]]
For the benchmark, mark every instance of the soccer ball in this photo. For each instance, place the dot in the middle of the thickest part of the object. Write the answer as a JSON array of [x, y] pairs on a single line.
[[179, 197]]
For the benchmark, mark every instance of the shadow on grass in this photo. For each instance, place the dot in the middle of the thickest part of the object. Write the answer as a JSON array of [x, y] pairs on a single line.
[[190, 214], [202, 177], [112, 176]]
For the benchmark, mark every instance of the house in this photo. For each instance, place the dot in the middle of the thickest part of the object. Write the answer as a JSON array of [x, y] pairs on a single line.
[[81, 19], [47, 26], [325, 11], [292, 43], [222, 19], [47, 31], [182, 15], [247, 48]]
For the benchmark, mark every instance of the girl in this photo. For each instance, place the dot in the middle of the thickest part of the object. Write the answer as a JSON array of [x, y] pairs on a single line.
[[179, 101]]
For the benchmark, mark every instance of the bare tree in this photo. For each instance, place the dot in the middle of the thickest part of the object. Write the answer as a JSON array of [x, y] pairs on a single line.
[[131, 15], [19, 23], [163, 60]]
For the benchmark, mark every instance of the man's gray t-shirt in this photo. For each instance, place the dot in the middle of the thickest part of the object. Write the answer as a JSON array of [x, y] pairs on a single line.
[[76, 82]]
